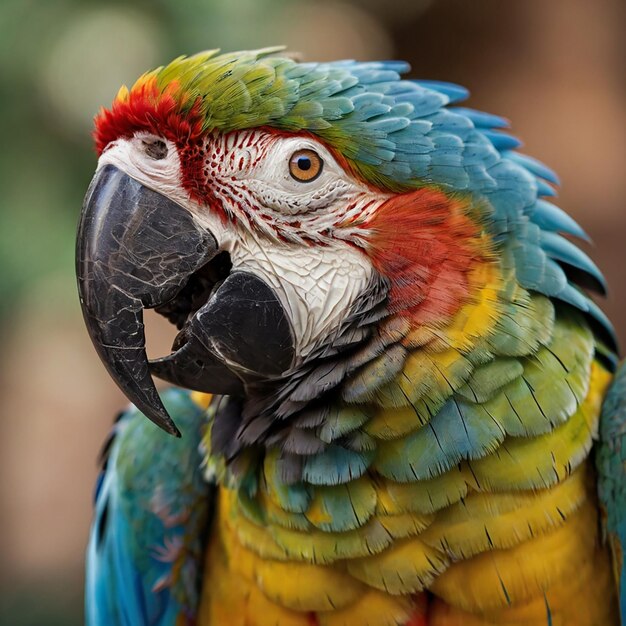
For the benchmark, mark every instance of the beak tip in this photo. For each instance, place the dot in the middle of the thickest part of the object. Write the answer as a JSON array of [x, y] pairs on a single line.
[[151, 406], [165, 422]]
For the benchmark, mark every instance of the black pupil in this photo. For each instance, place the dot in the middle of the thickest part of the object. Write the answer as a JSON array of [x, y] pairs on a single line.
[[304, 163]]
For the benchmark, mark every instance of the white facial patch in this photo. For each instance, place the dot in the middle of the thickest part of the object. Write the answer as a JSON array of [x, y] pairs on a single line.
[[316, 285], [298, 236], [276, 188], [302, 238], [249, 172], [133, 156]]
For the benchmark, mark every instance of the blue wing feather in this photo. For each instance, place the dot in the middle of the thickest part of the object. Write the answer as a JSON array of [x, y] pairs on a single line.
[[611, 464], [151, 516]]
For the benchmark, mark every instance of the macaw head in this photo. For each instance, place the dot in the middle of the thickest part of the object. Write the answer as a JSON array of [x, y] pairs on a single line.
[[311, 229]]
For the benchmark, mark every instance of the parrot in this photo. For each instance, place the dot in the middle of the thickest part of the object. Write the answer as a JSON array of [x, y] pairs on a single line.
[[393, 399]]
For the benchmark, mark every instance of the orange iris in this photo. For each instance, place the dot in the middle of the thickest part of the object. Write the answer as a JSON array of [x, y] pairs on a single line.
[[305, 165]]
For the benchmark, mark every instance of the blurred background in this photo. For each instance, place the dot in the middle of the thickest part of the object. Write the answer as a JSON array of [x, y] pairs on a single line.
[[555, 68]]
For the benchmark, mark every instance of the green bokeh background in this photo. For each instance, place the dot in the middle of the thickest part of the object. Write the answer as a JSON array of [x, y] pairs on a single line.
[[556, 69]]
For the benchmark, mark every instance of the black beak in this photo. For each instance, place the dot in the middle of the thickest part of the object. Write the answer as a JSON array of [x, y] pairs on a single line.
[[135, 250], [138, 249]]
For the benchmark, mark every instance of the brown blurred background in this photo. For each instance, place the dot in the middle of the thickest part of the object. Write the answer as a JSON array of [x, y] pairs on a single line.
[[555, 68]]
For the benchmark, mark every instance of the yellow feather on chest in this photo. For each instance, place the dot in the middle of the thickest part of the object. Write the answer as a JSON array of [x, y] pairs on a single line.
[[488, 557]]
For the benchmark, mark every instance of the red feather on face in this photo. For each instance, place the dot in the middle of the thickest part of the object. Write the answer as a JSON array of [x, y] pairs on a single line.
[[425, 243]]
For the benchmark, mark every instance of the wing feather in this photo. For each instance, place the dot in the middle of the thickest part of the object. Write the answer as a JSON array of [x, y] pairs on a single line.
[[144, 558], [610, 461]]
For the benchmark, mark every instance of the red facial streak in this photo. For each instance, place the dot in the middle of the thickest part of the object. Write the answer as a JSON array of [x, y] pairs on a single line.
[[165, 112], [426, 244]]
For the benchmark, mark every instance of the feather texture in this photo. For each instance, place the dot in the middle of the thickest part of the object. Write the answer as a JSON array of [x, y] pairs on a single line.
[[610, 463]]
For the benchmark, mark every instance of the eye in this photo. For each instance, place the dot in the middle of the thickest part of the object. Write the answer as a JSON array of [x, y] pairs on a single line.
[[155, 148], [305, 165]]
